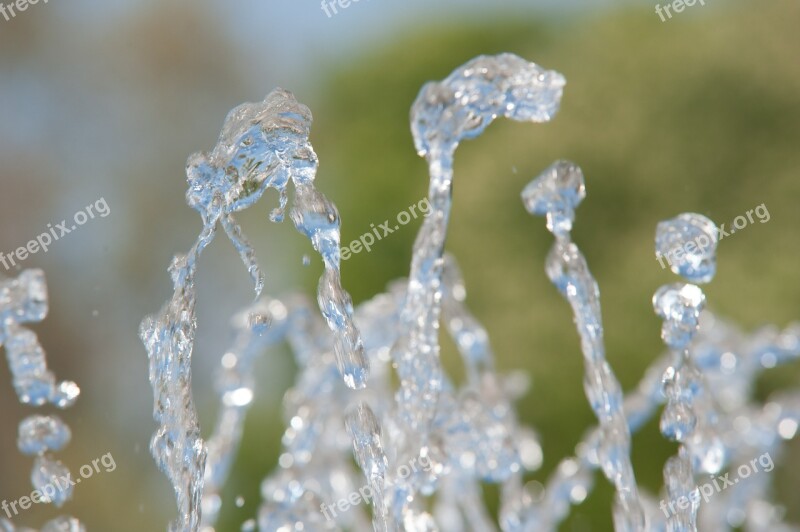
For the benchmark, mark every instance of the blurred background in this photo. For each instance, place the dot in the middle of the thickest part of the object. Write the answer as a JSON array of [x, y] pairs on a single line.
[[107, 99]]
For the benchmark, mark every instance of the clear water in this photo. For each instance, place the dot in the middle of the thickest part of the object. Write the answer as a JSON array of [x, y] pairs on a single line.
[[423, 446], [262, 145], [377, 435], [24, 301]]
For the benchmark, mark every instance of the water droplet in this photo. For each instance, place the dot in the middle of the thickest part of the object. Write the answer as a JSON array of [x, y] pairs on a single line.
[[677, 421], [66, 394], [238, 397], [51, 476], [688, 244], [38, 434], [679, 305], [556, 193], [787, 428]]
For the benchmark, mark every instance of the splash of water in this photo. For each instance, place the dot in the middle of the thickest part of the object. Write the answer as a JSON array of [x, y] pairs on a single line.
[[24, 300], [690, 415], [556, 194], [422, 452], [460, 107], [424, 448], [475, 425], [262, 145]]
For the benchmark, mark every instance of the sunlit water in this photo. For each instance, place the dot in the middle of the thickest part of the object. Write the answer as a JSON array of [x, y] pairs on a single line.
[[378, 436]]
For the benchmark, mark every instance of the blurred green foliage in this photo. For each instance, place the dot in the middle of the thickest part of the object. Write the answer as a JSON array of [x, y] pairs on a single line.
[[701, 113]]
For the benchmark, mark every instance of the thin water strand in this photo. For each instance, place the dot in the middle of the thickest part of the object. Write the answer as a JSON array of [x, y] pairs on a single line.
[[555, 194], [689, 416], [445, 113]]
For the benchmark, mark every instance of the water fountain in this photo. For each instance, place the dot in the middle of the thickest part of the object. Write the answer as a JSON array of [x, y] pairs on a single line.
[[378, 436]]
